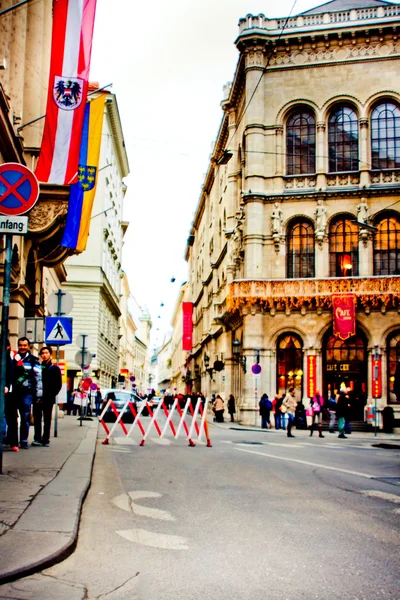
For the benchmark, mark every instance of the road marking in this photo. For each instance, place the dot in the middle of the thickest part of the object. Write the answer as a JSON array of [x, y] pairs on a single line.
[[305, 462], [120, 450], [397, 511], [282, 445], [161, 441], [154, 540], [126, 502], [226, 442], [382, 495]]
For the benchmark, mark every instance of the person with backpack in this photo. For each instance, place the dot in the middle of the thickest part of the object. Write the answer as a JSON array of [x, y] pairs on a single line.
[[26, 386], [265, 405]]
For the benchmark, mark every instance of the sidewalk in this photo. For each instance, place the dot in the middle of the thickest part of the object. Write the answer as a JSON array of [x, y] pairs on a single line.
[[41, 495]]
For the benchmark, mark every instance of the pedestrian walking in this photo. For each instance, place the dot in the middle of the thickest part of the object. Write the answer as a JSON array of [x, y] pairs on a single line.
[[289, 407], [219, 409], [98, 401], [26, 386], [43, 407], [342, 409], [276, 409], [332, 413], [231, 407], [317, 404], [265, 405]]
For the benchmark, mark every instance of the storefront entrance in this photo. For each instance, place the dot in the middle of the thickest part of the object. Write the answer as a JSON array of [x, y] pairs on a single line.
[[345, 365]]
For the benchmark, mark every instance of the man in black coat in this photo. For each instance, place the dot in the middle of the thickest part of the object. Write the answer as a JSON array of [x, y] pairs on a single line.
[[43, 407]]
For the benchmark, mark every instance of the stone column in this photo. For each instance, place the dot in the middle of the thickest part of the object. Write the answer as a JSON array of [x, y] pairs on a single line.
[[321, 160], [364, 165], [322, 259], [254, 229], [279, 151]]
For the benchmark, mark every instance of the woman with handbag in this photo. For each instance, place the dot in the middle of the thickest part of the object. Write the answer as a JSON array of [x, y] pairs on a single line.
[[317, 404]]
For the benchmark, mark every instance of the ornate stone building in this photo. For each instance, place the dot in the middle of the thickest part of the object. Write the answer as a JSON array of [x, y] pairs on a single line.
[[301, 203]]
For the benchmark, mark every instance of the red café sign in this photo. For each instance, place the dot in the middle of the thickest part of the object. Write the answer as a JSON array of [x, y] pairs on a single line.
[[311, 375], [376, 377], [344, 315]]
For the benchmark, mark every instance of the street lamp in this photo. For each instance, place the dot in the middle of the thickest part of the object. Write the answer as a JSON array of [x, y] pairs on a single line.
[[237, 356]]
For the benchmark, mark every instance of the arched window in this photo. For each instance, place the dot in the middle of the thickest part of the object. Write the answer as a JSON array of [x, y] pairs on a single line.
[[343, 248], [387, 247], [343, 140], [300, 250], [385, 136], [393, 364], [300, 143], [290, 363]]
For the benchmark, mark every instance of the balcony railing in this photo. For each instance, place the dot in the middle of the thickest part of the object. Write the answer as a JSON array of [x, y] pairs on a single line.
[[313, 293]]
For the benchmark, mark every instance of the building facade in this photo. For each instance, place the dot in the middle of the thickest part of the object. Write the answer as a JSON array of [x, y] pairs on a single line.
[[300, 211], [94, 276]]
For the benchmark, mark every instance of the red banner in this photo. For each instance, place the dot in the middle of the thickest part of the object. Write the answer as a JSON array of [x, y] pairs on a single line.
[[187, 343], [71, 48], [311, 375], [376, 377], [344, 315]]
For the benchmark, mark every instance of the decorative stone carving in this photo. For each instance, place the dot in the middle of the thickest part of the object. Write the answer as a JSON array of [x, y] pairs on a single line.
[[44, 215], [320, 221]]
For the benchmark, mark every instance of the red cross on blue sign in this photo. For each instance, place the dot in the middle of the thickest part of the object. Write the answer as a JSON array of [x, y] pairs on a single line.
[[19, 189]]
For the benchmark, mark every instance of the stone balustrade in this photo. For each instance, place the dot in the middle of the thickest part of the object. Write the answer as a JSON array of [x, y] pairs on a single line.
[[313, 21]]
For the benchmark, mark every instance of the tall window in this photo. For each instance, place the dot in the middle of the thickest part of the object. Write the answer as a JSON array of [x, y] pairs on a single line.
[[387, 247], [290, 362], [343, 249], [300, 143], [343, 140], [385, 136], [300, 250], [393, 363]]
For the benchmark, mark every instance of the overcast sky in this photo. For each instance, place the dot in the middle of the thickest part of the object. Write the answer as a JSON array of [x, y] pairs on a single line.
[[168, 62]]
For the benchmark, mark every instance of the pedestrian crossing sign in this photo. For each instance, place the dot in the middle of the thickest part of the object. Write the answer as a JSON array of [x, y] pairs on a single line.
[[58, 331]]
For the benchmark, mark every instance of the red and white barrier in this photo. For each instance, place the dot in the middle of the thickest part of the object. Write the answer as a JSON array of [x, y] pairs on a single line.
[[193, 430]]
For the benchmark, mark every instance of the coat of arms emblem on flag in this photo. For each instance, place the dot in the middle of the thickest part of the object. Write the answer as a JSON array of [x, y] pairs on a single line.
[[67, 92], [86, 177]]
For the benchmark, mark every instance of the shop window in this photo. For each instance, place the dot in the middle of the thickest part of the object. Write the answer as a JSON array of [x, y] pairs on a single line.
[[343, 249], [300, 250], [385, 136], [290, 363], [300, 143], [387, 247], [343, 140], [393, 354]]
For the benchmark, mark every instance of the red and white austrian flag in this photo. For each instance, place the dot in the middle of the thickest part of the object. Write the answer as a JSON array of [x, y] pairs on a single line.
[[73, 23]]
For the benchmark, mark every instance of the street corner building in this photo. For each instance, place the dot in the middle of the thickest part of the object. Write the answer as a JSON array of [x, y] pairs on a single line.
[[294, 250]]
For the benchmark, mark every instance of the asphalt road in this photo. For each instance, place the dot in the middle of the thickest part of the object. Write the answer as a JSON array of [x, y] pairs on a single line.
[[256, 516]]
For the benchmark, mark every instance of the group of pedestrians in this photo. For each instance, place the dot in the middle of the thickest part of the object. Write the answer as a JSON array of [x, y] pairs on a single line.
[[30, 393]]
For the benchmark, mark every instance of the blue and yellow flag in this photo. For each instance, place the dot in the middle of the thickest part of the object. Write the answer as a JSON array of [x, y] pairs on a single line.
[[81, 195]]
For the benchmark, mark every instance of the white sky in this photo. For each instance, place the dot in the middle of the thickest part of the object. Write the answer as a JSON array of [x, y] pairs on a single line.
[[168, 62]]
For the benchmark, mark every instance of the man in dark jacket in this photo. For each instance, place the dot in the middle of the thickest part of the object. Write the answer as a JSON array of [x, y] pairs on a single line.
[[26, 386], [342, 409], [43, 407]]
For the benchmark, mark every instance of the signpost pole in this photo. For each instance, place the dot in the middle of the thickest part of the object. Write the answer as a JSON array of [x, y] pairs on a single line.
[[59, 313], [255, 399], [4, 336], [375, 386], [83, 349]]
